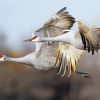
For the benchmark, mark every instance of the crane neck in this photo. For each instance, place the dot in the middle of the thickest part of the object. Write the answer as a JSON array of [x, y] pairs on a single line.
[[66, 38], [22, 60], [59, 38], [46, 39]]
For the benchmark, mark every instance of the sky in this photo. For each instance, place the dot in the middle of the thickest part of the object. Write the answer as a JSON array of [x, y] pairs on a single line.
[[18, 18]]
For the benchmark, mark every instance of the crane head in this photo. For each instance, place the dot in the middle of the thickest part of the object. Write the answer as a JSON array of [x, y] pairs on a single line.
[[34, 38], [2, 57]]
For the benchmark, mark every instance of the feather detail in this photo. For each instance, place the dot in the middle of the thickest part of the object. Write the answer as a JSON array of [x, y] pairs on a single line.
[[68, 58], [57, 56], [57, 23], [88, 36]]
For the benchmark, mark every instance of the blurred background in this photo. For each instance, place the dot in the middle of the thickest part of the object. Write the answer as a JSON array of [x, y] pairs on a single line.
[[18, 18]]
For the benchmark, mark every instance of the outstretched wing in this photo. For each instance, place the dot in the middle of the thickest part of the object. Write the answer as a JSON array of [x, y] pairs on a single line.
[[60, 21], [67, 58], [89, 37]]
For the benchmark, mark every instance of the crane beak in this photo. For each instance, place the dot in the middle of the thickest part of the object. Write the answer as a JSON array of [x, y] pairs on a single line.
[[28, 40], [34, 38]]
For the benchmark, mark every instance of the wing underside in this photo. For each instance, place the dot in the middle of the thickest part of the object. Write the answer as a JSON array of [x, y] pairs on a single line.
[[67, 58], [56, 24]]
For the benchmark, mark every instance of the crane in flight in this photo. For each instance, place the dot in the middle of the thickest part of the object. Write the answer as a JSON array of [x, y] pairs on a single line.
[[44, 57], [67, 55], [74, 42]]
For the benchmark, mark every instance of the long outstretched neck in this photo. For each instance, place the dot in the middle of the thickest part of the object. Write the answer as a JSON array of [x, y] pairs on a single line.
[[19, 60], [67, 37], [60, 38], [46, 39]]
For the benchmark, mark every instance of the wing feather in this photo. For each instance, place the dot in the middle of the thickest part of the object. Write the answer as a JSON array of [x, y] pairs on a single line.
[[56, 24], [89, 38], [68, 58]]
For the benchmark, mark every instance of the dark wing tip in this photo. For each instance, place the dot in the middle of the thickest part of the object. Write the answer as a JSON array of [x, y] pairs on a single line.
[[88, 43], [83, 40], [61, 10]]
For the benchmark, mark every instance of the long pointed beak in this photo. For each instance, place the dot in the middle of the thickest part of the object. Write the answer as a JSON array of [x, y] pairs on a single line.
[[28, 40]]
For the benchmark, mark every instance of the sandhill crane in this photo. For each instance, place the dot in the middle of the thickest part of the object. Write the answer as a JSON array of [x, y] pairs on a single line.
[[45, 54], [89, 37], [43, 62], [62, 21], [73, 37], [85, 38], [67, 55]]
